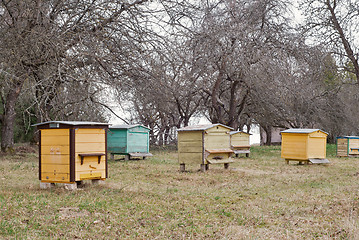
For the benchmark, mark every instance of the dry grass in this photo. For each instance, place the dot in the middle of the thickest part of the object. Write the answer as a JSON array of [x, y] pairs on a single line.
[[258, 198]]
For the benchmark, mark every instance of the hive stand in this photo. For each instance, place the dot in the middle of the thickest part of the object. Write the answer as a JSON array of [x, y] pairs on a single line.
[[241, 149], [133, 155], [213, 157], [311, 160], [69, 186]]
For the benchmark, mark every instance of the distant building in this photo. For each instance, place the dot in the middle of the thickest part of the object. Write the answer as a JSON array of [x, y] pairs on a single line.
[[274, 138]]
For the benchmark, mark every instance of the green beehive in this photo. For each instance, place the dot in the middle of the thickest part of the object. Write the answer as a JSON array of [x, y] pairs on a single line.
[[129, 140]]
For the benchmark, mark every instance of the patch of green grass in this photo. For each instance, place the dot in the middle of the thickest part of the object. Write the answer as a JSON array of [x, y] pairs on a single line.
[[260, 197]]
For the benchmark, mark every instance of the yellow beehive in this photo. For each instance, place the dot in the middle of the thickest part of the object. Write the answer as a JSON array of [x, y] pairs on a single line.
[[204, 144], [72, 151], [240, 142], [348, 146], [304, 145]]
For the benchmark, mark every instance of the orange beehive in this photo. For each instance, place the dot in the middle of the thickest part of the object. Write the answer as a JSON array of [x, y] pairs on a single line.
[[72, 151]]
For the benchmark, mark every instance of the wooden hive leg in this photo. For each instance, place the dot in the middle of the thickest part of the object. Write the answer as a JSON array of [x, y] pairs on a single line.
[[287, 161], [127, 157], [236, 155], [112, 156], [207, 167], [247, 154], [182, 167], [226, 165], [203, 167]]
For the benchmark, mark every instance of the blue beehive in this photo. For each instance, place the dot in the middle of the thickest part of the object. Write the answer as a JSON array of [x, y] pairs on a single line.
[[128, 140]]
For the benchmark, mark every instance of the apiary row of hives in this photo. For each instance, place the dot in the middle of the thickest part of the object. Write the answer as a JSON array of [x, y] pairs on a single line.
[[71, 151]]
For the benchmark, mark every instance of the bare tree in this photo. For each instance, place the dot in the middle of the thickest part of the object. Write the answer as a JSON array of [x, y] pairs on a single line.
[[50, 44], [335, 23]]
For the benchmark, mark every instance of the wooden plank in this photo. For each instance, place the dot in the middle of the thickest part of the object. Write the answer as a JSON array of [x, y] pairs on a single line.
[[55, 177], [137, 154], [88, 159], [89, 147], [318, 161], [89, 166], [219, 150], [85, 175], [241, 151], [241, 146], [54, 132], [56, 168], [55, 140], [90, 138], [59, 150], [216, 141], [190, 158], [90, 131], [190, 136], [55, 158], [192, 149], [213, 161]]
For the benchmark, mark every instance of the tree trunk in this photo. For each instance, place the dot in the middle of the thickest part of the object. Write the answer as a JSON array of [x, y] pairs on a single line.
[[8, 120], [269, 136]]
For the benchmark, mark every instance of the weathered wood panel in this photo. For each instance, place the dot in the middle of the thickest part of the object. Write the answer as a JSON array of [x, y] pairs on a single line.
[[318, 134], [219, 140], [240, 139], [54, 132], [55, 159], [55, 168], [353, 146], [55, 177], [90, 175], [317, 147], [190, 147], [342, 147], [98, 147], [55, 149], [94, 144], [137, 142], [138, 129], [294, 146], [190, 158], [218, 129], [219, 157]]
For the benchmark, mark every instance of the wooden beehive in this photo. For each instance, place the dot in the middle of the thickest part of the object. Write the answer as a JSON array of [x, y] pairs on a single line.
[[72, 151], [240, 142], [204, 145], [304, 145], [348, 146], [129, 140]]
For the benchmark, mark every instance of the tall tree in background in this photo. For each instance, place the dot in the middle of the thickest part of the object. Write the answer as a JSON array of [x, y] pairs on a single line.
[[49, 44], [335, 23]]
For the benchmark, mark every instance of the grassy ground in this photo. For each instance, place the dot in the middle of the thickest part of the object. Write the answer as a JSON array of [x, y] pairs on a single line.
[[258, 198]]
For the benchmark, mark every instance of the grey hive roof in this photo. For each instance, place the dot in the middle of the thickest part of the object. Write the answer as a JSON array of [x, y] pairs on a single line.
[[202, 127], [302, 130], [73, 123], [128, 126]]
